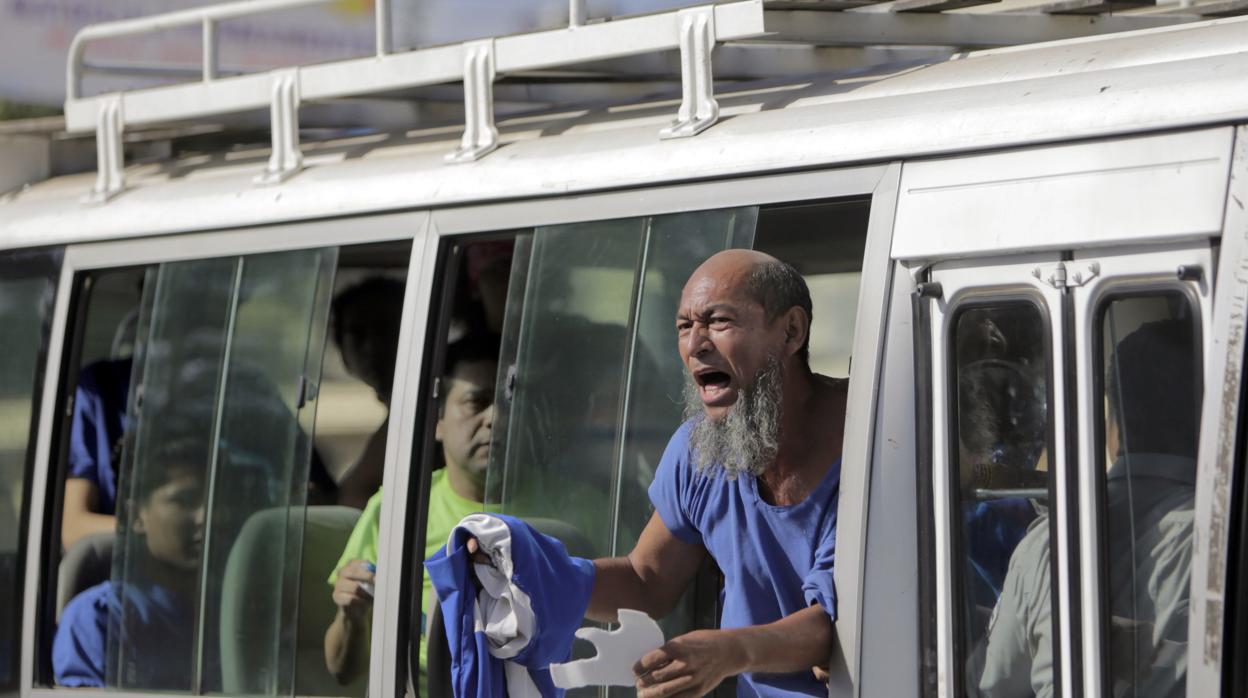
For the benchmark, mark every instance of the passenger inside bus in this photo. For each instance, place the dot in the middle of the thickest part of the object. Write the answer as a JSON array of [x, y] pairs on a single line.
[[155, 607], [1151, 425], [364, 322], [1001, 441], [464, 430], [752, 478], [100, 406]]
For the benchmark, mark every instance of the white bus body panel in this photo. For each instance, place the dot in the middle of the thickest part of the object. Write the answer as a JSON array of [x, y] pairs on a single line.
[[1065, 197]]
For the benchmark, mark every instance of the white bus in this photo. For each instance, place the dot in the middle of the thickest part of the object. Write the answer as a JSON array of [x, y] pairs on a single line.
[[993, 236]]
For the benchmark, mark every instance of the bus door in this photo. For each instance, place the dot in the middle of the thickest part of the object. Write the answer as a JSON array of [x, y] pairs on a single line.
[[1066, 407], [998, 477], [1139, 318], [1062, 295]]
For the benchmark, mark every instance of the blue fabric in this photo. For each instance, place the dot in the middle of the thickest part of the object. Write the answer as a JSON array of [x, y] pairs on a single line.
[[155, 627], [558, 586], [99, 421], [993, 529], [775, 560]]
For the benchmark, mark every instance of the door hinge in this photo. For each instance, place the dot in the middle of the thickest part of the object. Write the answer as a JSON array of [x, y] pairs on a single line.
[[305, 392], [1062, 277]]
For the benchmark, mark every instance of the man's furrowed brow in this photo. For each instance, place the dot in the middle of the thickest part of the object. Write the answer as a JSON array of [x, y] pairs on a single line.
[[706, 312]]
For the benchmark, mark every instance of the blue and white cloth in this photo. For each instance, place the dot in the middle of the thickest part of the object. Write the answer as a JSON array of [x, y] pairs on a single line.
[[506, 623]]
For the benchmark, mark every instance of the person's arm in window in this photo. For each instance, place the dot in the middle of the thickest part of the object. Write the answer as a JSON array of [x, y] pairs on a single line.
[[79, 517], [81, 513], [651, 579], [347, 639]]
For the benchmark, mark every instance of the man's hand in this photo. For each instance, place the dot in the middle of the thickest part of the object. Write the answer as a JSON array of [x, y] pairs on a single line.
[[689, 666], [353, 592]]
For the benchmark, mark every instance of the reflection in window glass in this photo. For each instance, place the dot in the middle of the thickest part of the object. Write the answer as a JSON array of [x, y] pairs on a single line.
[[27, 292], [597, 302], [213, 481], [1004, 624], [594, 382], [1152, 393]]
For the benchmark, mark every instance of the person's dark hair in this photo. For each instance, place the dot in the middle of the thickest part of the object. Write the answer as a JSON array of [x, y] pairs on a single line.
[[169, 459], [380, 296], [476, 346], [778, 286], [1153, 390]]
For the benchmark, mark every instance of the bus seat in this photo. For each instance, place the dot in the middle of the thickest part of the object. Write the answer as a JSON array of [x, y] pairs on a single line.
[[87, 563], [250, 593], [439, 668]]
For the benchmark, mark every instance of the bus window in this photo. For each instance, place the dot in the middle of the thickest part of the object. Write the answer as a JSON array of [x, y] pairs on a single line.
[[1002, 495], [1151, 390], [102, 368], [227, 523], [590, 387], [825, 241], [461, 424], [352, 421], [27, 292], [597, 385]]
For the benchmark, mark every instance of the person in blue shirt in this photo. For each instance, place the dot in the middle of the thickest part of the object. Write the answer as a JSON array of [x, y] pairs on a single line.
[[138, 631], [752, 479], [95, 435]]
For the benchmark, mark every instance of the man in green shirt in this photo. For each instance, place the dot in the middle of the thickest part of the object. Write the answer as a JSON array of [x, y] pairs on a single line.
[[464, 429]]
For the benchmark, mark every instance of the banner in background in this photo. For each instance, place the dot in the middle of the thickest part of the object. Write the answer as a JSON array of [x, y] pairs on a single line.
[[35, 35]]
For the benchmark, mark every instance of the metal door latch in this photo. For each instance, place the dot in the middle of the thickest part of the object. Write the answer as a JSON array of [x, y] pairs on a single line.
[[1060, 277]]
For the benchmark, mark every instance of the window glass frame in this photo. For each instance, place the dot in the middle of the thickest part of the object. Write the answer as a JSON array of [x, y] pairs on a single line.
[[877, 184], [973, 300], [24, 264], [1116, 290], [84, 258]]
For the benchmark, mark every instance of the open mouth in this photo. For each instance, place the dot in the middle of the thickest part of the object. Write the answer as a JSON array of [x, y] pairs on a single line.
[[713, 385]]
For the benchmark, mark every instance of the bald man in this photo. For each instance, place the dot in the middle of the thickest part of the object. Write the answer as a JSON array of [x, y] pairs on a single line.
[[752, 479]]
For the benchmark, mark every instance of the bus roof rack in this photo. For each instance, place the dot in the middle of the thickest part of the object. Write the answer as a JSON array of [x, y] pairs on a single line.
[[840, 34]]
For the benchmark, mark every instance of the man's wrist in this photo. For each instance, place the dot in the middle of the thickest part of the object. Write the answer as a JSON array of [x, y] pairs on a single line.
[[739, 651], [353, 615]]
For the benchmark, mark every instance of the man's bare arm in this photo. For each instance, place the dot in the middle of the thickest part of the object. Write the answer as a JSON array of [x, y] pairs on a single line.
[[347, 638], [346, 647], [651, 578], [79, 518], [695, 663]]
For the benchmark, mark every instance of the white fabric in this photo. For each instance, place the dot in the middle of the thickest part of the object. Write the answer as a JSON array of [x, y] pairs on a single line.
[[502, 610]]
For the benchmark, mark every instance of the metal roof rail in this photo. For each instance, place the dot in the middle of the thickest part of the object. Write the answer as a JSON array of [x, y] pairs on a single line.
[[693, 31], [876, 30]]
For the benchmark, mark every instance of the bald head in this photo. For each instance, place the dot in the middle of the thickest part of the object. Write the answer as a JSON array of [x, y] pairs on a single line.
[[757, 277]]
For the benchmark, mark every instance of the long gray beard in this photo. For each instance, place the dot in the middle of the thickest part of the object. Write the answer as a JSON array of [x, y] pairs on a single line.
[[745, 440]]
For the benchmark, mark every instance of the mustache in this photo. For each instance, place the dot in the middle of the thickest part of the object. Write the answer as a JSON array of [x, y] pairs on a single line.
[[746, 439]]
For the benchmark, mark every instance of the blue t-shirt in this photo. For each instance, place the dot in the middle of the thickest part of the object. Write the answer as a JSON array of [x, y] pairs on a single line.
[[776, 560], [156, 629], [993, 529], [98, 423]]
